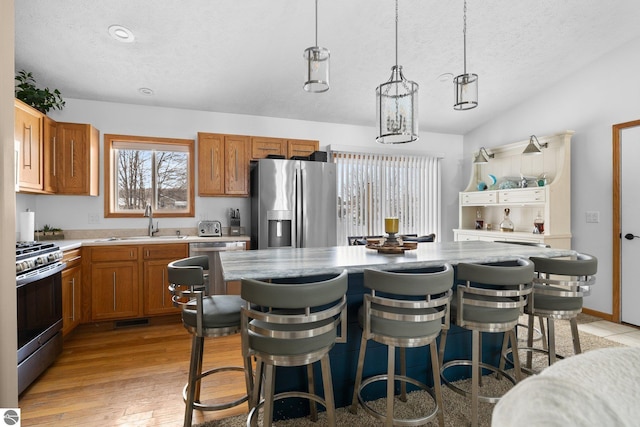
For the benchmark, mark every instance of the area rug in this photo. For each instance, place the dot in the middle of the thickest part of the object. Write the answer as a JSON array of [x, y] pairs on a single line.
[[456, 407]]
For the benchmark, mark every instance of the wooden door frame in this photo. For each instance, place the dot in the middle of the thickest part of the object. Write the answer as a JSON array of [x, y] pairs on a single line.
[[616, 235]]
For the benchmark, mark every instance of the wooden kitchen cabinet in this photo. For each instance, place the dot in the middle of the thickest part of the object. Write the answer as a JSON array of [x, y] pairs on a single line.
[[71, 291], [77, 159], [262, 146], [301, 147], [50, 150], [156, 295], [115, 291], [28, 128], [223, 164]]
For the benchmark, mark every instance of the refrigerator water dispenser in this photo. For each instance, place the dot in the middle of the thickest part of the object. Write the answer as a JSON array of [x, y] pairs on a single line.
[[279, 224]]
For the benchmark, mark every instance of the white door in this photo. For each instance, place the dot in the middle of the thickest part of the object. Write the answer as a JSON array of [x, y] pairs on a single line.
[[630, 225]]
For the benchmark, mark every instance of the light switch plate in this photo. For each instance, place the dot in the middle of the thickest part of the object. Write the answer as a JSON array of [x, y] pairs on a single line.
[[593, 216]]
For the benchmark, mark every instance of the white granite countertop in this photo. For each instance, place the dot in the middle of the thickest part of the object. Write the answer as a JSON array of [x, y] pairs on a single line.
[[69, 244], [288, 262]]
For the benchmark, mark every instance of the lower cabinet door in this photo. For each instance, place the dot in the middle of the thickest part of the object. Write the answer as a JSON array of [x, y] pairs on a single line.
[[157, 298], [114, 291]]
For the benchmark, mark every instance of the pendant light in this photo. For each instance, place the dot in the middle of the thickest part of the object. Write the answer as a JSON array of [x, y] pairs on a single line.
[[466, 85], [397, 106], [317, 66]]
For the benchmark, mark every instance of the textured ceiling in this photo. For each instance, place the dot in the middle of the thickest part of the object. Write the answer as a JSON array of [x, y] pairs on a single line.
[[245, 56]]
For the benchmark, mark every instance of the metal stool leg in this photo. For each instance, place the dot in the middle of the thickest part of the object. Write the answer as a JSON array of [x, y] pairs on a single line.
[[194, 381], [575, 335], [360, 367], [475, 376], [391, 362], [403, 372], [551, 335], [330, 404], [435, 370], [313, 407]]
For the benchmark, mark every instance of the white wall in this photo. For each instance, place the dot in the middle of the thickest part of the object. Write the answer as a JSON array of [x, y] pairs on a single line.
[[72, 212], [590, 102], [8, 315]]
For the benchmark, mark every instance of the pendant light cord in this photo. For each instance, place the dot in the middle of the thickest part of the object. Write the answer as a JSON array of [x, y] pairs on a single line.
[[316, 23], [396, 34], [464, 37]]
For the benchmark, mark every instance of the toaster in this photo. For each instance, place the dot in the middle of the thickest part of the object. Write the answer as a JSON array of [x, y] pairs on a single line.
[[209, 228]]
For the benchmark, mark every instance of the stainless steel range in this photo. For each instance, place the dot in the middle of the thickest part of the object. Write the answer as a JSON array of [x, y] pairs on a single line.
[[39, 297]]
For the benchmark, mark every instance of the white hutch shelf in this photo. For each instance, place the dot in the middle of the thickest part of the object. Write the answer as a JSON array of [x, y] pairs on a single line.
[[552, 201]]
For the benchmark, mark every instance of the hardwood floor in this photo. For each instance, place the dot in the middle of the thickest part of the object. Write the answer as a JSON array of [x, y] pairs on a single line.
[[129, 376]]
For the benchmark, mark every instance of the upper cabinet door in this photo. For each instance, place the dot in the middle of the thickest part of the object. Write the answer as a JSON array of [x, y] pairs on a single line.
[[301, 147], [262, 146], [28, 136], [77, 160], [50, 150], [237, 152], [210, 164]]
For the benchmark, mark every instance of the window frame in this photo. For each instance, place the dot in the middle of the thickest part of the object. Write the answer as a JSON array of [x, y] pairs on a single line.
[[109, 164]]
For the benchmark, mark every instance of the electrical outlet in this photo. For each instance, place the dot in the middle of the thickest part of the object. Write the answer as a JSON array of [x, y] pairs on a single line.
[[94, 218], [593, 216]]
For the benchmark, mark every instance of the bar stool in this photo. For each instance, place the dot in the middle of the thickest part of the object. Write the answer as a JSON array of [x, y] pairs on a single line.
[[403, 310], [559, 286], [203, 316], [491, 300], [291, 325]]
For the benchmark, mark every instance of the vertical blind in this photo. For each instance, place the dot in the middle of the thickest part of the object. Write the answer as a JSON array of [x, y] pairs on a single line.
[[372, 187]]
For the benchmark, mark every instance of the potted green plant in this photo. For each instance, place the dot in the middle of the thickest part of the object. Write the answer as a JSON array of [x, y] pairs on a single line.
[[42, 100]]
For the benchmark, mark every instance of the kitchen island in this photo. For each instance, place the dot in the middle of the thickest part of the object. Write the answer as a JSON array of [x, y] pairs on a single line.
[[297, 265]]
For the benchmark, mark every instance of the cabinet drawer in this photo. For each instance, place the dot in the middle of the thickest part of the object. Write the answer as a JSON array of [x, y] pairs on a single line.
[[72, 257], [173, 252], [522, 196], [115, 253], [478, 198]]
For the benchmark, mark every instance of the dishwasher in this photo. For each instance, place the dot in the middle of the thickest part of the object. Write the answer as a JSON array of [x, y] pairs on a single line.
[[212, 250]]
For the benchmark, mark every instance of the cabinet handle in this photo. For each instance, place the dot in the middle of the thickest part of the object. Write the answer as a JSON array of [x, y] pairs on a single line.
[[212, 166], [236, 157], [163, 287], [131, 254], [54, 156], [148, 253], [73, 299], [24, 139], [114, 291], [72, 157]]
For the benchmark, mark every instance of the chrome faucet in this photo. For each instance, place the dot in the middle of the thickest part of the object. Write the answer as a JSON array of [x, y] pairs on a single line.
[[148, 213]]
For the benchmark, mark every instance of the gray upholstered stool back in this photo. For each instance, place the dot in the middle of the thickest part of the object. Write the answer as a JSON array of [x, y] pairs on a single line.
[[391, 314], [493, 297]]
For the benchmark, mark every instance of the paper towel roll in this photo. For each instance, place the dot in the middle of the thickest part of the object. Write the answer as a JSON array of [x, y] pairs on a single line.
[[27, 225]]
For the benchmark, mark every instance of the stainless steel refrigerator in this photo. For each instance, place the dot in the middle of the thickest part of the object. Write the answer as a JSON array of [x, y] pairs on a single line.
[[293, 204]]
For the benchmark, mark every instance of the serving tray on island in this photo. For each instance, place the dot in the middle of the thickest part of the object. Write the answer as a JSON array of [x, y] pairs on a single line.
[[392, 249]]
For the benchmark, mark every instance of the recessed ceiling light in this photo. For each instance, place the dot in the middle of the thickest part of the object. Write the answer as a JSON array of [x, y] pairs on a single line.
[[146, 91], [122, 34]]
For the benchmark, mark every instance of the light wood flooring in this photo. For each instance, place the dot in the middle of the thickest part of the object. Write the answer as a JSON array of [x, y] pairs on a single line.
[[129, 376]]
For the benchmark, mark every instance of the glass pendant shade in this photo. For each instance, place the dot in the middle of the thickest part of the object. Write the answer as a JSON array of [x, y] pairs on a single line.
[[397, 109], [317, 69], [466, 87], [466, 84]]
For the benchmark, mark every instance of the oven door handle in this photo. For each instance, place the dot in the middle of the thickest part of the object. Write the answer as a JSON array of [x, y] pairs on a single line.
[[40, 273]]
